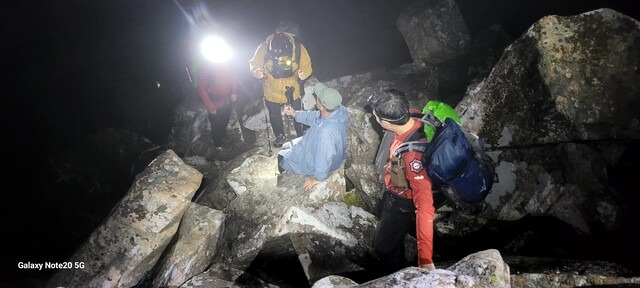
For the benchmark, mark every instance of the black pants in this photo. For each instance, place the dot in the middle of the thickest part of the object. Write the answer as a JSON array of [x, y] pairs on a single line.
[[398, 217], [275, 117], [219, 122]]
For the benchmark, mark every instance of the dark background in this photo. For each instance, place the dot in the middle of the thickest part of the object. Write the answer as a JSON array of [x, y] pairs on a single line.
[[72, 67]]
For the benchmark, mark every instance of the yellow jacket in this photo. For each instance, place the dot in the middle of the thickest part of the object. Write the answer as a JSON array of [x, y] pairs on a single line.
[[274, 89]]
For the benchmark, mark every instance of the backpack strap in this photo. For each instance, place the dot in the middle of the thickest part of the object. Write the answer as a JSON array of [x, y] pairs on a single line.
[[296, 46], [412, 143], [411, 146], [383, 152], [296, 58], [430, 119]]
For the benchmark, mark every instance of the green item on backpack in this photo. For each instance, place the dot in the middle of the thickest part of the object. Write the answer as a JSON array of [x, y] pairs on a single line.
[[441, 111]]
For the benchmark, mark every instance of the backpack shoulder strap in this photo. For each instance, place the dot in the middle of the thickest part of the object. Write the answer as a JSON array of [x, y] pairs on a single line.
[[412, 143], [296, 58], [430, 119], [410, 146], [383, 151], [297, 47]]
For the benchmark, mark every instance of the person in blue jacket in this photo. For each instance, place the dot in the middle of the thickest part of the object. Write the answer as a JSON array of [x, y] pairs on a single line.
[[322, 149]]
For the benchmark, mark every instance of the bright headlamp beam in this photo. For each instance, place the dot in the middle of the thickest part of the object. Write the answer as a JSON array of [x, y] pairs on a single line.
[[215, 49]]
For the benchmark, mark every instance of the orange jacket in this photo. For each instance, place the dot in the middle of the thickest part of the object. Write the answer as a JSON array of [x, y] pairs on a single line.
[[419, 190]]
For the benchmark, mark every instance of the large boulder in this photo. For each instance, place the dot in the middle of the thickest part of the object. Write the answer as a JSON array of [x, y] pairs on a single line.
[[273, 216], [220, 276], [193, 249], [131, 240], [481, 269], [362, 146], [434, 31], [556, 111], [486, 267]]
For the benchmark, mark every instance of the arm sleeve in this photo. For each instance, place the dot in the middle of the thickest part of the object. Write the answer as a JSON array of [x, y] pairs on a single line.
[[202, 90], [307, 117], [423, 200], [257, 62], [305, 62], [324, 155]]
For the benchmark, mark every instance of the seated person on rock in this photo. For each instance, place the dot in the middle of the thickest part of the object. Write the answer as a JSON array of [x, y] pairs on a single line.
[[322, 149]]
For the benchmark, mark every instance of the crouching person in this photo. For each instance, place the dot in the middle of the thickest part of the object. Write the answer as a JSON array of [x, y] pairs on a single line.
[[322, 149]]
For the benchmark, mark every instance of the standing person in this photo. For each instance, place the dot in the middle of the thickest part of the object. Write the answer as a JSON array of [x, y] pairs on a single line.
[[407, 202], [218, 90], [322, 149], [282, 61]]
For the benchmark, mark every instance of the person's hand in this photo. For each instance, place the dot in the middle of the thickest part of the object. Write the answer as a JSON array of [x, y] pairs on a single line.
[[301, 74], [429, 267], [258, 74], [289, 111], [310, 183], [234, 98]]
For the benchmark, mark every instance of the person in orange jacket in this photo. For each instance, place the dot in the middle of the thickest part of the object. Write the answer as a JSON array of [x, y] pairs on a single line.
[[407, 202], [282, 61]]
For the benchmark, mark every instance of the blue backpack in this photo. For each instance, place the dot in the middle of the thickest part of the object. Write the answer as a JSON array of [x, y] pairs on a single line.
[[456, 163]]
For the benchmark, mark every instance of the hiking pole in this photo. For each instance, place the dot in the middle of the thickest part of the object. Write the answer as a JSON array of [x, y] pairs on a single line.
[[188, 74], [289, 120], [235, 112], [267, 123]]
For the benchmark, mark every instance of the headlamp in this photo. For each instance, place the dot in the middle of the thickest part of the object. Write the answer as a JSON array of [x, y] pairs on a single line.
[[215, 49], [284, 60], [392, 121]]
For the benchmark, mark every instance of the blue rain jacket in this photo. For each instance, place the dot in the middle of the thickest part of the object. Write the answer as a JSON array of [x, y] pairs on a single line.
[[322, 149]]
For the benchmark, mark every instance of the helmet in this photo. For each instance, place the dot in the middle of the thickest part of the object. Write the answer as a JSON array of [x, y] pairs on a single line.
[[289, 27], [280, 45]]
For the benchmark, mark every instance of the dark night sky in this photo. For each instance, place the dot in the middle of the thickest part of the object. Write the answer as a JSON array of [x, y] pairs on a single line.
[[70, 67]]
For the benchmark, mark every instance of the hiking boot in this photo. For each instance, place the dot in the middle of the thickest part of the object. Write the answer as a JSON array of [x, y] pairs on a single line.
[[279, 141]]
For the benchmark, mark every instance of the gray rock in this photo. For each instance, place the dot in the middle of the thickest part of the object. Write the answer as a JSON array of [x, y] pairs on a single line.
[[273, 216], [551, 108], [194, 249], [434, 31], [130, 242]]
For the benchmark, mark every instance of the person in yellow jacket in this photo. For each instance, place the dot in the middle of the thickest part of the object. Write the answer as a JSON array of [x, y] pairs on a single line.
[[282, 61]]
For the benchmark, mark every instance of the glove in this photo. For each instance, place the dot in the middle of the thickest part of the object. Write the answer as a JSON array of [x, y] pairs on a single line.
[[258, 74], [301, 74]]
